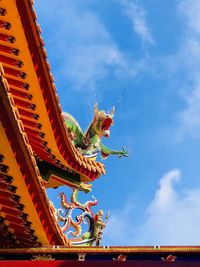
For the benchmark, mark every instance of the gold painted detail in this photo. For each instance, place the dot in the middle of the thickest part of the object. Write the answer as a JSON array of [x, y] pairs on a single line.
[[85, 187], [106, 249], [43, 257]]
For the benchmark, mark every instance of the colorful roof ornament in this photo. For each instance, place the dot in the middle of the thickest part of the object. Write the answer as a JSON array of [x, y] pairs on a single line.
[[71, 223], [30, 84], [89, 143], [37, 151]]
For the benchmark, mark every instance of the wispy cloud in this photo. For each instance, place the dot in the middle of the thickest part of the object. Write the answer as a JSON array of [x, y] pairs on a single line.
[[185, 65], [190, 116], [172, 217], [165, 195], [191, 9], [137, 16], [82, 45], [120, 225]]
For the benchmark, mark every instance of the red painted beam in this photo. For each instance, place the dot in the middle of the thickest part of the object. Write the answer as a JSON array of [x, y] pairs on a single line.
[[97, 263]]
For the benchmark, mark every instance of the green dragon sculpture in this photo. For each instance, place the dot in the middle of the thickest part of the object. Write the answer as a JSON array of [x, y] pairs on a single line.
[[89, 143]]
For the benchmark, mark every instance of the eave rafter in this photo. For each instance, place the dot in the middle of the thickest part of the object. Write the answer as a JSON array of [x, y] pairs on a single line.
[[31, 85], [25, 213], [33, 132]]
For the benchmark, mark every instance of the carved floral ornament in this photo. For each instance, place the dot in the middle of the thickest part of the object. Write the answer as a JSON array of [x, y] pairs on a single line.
[[74, 216], [43, 257]]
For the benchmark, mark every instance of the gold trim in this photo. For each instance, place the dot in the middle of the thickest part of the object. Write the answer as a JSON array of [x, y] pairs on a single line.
[[43, 257], [131, 249]]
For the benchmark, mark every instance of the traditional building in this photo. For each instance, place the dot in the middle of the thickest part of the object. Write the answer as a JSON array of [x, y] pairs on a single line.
[[36, 152]]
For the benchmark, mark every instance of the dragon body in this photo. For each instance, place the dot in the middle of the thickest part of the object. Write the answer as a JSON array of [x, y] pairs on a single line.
[[89, 143]]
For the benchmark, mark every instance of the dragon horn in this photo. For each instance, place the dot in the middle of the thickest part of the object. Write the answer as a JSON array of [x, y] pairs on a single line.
[[107, 215], [96, 107], [112, 112]]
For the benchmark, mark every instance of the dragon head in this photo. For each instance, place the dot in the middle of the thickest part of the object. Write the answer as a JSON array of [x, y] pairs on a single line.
[[83, 186], [102, 121]]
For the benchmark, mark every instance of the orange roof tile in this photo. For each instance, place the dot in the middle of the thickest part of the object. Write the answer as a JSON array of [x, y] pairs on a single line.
[[15, 62]]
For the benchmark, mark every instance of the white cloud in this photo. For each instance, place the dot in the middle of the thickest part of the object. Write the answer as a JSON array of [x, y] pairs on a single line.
[[138, 19], [172, 218], [191, 10], [165, 193], [120, 226], [186, 65], [189, 118], [81, 44]]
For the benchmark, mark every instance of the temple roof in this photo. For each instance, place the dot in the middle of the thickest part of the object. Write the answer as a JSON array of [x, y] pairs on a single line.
[[26, 219], [31, 87], [35, 146]]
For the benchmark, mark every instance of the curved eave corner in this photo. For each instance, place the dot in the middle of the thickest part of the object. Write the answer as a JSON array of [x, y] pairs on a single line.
[[88, 169]]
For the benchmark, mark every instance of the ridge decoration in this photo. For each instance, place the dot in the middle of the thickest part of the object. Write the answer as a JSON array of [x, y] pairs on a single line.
[[89, 143], [73, 215]]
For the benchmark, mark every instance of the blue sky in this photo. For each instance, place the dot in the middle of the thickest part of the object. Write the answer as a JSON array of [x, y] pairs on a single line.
[[152, 49]]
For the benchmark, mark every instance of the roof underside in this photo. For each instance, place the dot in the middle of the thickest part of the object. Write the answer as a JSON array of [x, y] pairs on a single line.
[[26, 219]]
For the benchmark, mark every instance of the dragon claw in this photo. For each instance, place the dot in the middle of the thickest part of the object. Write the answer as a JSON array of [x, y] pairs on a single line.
[[123, 153]]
